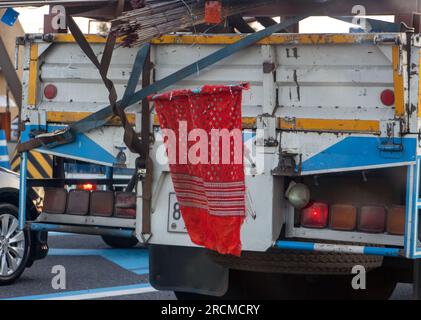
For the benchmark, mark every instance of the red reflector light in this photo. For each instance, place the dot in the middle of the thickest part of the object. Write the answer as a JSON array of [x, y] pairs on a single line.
[[396, 220], [125, 205], [388, 97], [86, 187], [314, 216], [372, 219], [50, 91]]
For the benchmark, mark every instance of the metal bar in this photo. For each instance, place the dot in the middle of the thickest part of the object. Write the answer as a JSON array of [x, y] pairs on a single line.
[[100, 118], [91, 221], [126, 233], [61, 182], [377, 26], [323, 247], [25, 3], [22, 189], [8, 70], [351, 236]]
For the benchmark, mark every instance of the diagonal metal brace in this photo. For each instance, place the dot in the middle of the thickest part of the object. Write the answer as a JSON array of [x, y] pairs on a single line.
[[101, 117]]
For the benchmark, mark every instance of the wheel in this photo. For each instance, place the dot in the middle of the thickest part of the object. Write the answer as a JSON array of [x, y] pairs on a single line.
[[119, 242], [14, 245], [378, 287]]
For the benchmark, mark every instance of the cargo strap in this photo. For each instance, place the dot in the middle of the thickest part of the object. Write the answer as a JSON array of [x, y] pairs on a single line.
[[141, 147]]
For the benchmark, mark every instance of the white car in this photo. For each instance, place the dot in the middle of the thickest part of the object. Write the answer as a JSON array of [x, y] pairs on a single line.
[[18, 248]]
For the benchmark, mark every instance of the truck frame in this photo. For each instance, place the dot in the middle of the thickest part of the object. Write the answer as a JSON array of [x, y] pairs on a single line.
[[314, 116]]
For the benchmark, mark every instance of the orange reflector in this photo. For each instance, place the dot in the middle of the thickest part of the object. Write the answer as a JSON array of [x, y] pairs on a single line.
[[343, 217], [396, 220], [372, 219]]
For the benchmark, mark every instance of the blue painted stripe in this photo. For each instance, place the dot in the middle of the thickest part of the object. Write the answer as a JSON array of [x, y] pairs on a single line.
[[294, 245], [36, 226], [408, 214], [79, 292], [61, 234], [4, 151], [134, 260], [310, 246], [5, 164], [415, 216], [387, 252], [354, 152], [83, 147]]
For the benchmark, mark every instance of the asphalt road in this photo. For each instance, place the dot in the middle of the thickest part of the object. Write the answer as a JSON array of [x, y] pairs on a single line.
[[92, 271], [95, 271]]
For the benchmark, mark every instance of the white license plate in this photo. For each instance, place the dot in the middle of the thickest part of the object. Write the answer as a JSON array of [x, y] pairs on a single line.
[[175, 220]]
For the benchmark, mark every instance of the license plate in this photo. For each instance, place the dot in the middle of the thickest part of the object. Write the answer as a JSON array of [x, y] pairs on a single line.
[[175, 220]]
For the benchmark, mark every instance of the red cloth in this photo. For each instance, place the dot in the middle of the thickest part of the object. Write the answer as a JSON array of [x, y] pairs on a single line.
[[211, 196]]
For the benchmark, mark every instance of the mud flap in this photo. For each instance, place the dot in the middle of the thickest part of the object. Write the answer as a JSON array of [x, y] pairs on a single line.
[[186, 269]]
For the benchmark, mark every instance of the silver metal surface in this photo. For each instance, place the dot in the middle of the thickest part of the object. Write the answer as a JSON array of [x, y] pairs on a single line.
[[24, 3], [9, 71], [8, 179], [87, 220]]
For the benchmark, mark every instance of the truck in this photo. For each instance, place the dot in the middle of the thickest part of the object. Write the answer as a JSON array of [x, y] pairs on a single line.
[[331, 125]]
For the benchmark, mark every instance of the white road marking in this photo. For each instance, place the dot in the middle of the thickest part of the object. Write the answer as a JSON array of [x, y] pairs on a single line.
[[105, 294]]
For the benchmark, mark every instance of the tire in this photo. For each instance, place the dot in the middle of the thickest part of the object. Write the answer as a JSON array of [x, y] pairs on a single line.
[[298, 262], [120, 243], [378, 287], [14, 245]]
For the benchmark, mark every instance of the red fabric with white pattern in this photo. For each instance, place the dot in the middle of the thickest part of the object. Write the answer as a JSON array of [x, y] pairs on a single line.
[[211, 196]]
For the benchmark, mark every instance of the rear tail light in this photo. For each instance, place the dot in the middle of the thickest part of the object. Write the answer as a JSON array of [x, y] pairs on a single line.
[[102, 203], [50, 91], [343, 217], [396, 220], [315, 216], [55, 200], [387, 97], [86, 187], [372, 219], [78, 202], [125, 205]]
